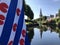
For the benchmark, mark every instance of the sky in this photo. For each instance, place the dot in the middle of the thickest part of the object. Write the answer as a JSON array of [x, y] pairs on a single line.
[[48, 7]]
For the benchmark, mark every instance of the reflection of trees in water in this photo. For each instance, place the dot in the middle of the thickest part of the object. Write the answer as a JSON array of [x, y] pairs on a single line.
[[41, 32], [30, 34], [59, 34], [42, 28], [52, 29]]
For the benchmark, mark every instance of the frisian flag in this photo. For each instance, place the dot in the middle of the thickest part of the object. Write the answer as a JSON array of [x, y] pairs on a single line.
[[12, 23]]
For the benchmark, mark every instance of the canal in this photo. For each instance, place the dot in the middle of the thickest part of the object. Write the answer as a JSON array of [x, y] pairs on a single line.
[[44, 36]]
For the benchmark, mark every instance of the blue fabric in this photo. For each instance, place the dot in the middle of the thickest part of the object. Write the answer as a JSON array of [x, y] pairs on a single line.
[[8, 23], [27, 40], [19, 28]]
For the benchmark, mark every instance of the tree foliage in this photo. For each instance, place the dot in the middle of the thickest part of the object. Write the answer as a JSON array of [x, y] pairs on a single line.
[[27, 11], [44, 17]]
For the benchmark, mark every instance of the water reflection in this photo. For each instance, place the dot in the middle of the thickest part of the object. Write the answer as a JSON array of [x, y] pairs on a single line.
[[44, 35]]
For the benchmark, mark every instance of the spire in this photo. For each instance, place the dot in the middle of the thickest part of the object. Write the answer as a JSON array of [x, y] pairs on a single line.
[[40, 12]]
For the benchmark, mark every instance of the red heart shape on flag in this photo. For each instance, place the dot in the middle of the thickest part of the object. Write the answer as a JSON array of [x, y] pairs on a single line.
[[2, 17], [3, 7]]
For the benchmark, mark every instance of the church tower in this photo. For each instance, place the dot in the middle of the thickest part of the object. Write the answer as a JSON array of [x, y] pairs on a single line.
[[40, 13]]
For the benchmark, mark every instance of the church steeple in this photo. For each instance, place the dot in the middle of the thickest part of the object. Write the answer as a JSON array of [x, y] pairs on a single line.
[[40, 15], [40, 12]]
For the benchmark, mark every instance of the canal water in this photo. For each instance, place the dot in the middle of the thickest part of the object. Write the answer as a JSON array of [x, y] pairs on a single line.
[[44, 36]]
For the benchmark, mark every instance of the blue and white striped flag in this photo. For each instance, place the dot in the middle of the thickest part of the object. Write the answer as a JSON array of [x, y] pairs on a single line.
[[12, 23]]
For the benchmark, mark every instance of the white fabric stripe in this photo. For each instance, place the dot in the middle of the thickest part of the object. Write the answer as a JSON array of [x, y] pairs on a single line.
[[4, 14], [15, 21], [24, 27]]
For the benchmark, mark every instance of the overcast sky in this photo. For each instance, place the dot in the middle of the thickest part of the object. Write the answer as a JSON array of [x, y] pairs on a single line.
[[48, 6]]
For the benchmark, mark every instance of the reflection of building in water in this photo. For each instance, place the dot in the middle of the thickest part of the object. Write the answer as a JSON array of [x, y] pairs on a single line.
[[30, 34], [59, 34], [41, 32], [55, 29], [50, 29], [42, 28]]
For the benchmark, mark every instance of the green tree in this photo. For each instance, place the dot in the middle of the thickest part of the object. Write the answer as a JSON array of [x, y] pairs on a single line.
[[27, 11], [44, 17]]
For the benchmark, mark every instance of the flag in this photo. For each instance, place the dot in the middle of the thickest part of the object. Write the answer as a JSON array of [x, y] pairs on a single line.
[[12, 23]]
